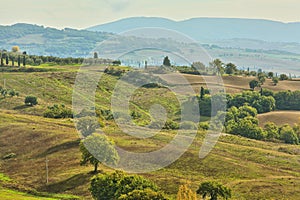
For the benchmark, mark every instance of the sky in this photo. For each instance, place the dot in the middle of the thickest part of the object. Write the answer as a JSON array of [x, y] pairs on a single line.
[[86, 13]]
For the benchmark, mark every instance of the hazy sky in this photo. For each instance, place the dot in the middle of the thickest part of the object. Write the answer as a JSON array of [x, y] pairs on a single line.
[[86, 13]]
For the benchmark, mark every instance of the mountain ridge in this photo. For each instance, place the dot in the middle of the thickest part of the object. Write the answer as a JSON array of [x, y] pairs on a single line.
[[205, 28]]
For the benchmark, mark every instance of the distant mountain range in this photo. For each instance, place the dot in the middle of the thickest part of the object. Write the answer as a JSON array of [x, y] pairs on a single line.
[[207, 29], [250, 43]]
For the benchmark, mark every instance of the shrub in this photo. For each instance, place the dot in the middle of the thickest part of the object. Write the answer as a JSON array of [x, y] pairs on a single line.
[[171, 125], [9, 156], [204, 125], [31, 100], [58, 111]]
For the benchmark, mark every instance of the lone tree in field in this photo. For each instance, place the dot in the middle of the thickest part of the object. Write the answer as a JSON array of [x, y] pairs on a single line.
[[283, 77], [214, 190], [230, 68], [96, 55], [270, 74], [98, 148], [261, 78], [275, 80], [87, 125], [31, 100], [217, 66], [253, 84], [167, 61]]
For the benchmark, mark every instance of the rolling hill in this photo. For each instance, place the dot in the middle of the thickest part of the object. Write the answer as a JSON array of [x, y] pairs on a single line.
[[253, 169]]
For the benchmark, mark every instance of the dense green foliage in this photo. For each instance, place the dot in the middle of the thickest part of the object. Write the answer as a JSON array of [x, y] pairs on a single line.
[[96, 148], [118, 185], [8, 92], [58, 111], [31, 100], [287, 100], [87, 125], [214, 190]]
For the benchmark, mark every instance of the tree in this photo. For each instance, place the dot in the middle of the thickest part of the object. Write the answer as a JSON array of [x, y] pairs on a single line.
[[95, 55], [87, 125], [167, 61], [15, 49], [12, 58], [118, 185], [270, 75], [19, 61], [213, 190], [288, 135], [199, 66], [6, 60], [202, 92], [283, 77], [261, 78], [185, 193], [271, 130], [116, 62], [96, 148], [1, 62], [230, 68], [264, 104], [31, 100], [275, 80], [217, 65], [253, 84], [24, 60]]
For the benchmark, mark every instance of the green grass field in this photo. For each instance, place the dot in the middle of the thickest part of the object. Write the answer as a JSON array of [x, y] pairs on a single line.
[[252, 169]]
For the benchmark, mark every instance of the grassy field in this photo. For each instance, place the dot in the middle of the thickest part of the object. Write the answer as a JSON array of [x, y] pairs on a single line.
[[280, 117], [253, 169]]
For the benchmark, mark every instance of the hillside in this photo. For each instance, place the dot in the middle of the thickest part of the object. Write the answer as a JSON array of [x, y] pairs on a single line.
[[280, 117], [253, 169], [40, 40]]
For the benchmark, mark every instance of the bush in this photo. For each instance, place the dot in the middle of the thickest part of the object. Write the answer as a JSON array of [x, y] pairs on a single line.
[[204, 125], [288, 135], [9, 156], [58, 111], [171, 125], [31, 100]]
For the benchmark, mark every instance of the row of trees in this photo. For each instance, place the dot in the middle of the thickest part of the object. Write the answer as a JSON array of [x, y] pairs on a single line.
[[220, 68], [243, 121], [17, 58], [263, 101], [261, 78]]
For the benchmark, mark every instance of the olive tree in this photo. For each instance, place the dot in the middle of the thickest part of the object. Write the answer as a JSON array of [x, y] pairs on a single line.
[[96, 148]]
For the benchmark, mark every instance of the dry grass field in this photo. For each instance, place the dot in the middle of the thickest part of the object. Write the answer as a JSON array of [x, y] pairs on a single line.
[[252, 169], [280, 117]]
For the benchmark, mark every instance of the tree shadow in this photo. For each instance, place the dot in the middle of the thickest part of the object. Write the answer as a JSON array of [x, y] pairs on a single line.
[[60, 147], [68, 184], [21, 107]]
